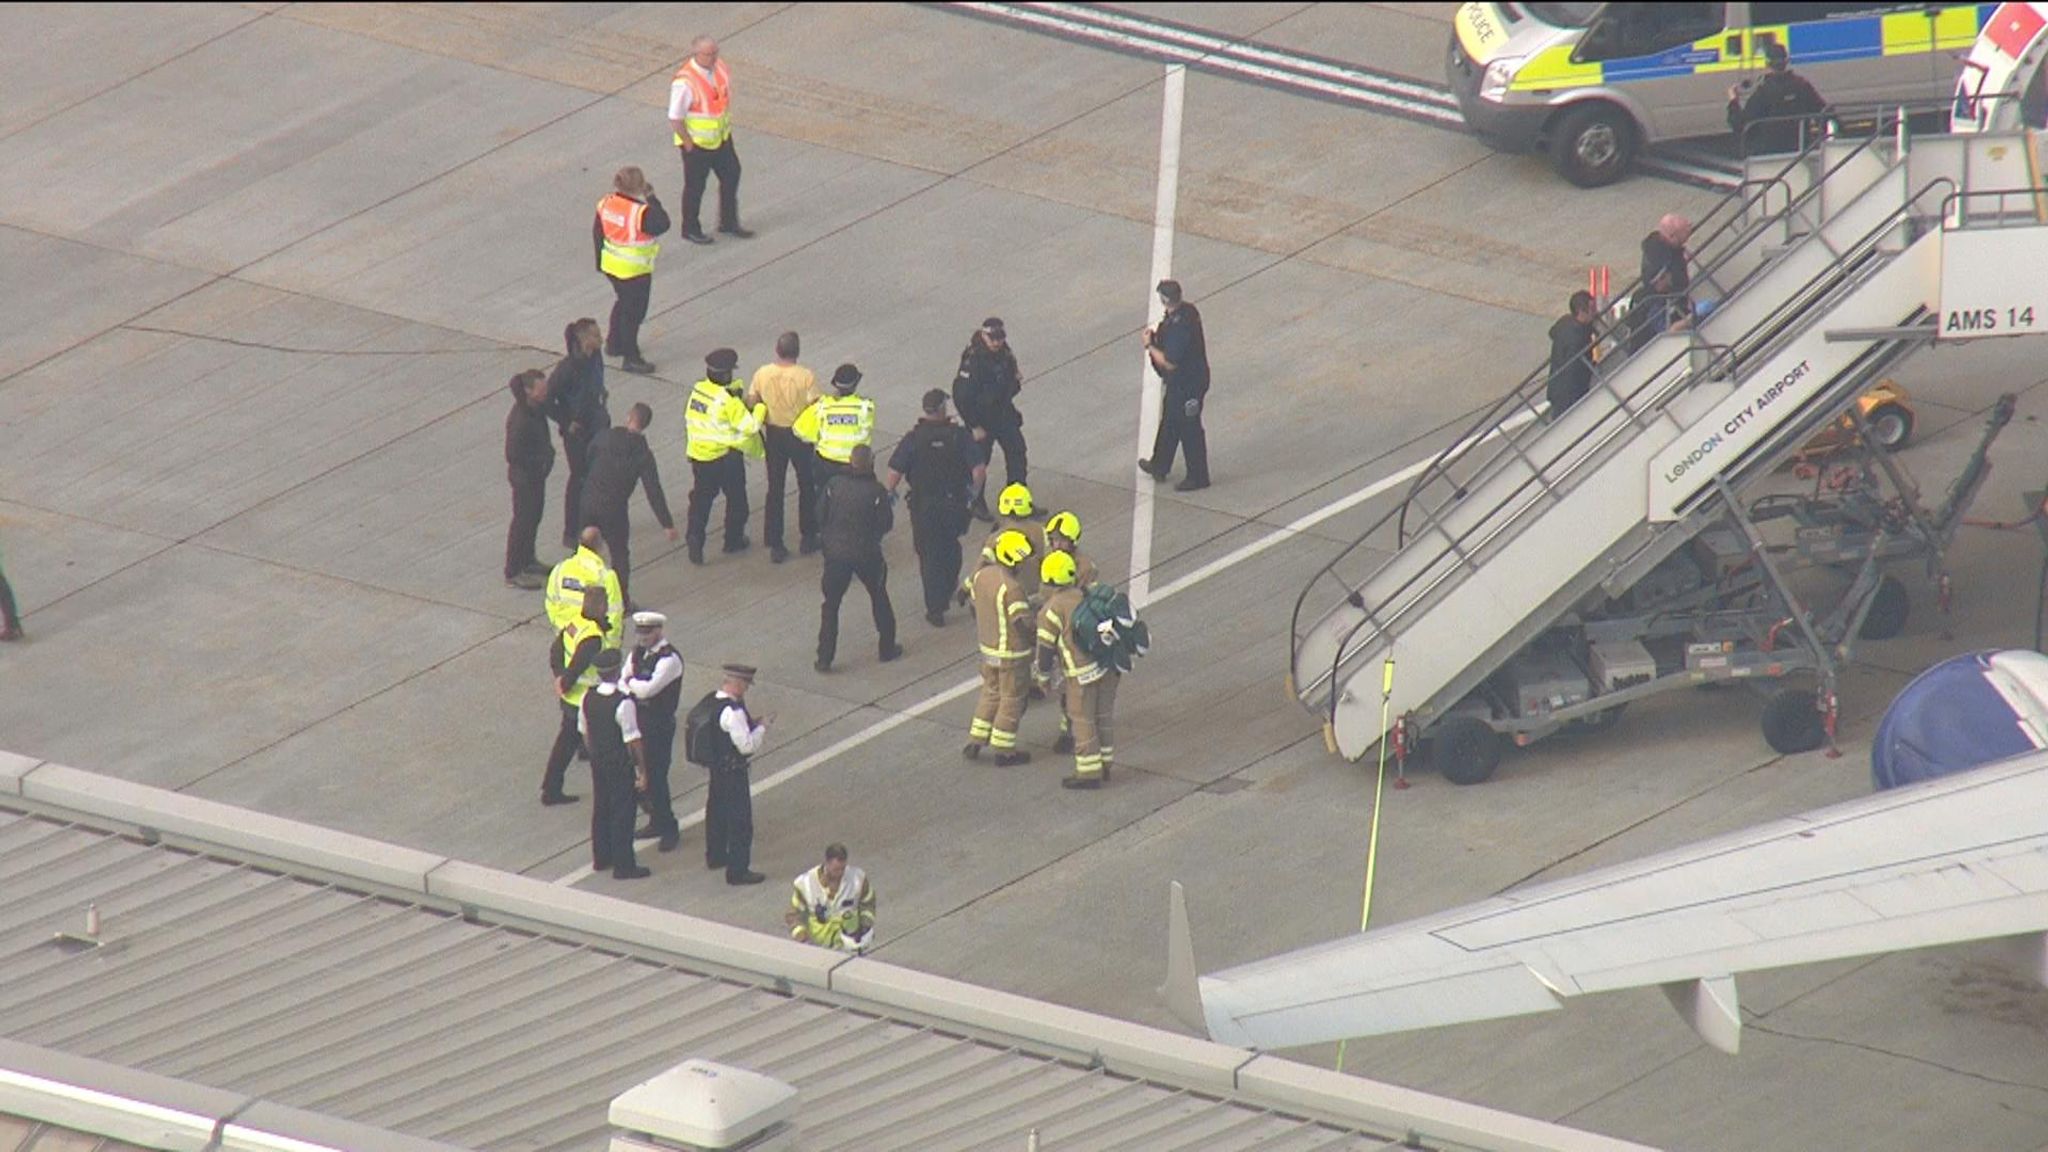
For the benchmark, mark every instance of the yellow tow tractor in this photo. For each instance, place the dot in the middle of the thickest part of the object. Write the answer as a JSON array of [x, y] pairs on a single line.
[[1886, 411]]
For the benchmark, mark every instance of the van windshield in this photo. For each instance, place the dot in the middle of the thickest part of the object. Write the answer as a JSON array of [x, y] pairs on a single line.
[[1564, 15]]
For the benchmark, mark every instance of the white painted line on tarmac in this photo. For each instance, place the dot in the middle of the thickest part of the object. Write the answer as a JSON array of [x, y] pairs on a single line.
[[1143, 487], [1221, 564]]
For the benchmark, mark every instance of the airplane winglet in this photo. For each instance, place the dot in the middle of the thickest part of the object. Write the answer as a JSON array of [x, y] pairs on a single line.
[[1709, 1006], [1182, 990]]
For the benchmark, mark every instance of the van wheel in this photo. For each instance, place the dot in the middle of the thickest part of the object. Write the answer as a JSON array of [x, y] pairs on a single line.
[[1466, 750], [1792, 722], [1593, 145], [1890, 425]]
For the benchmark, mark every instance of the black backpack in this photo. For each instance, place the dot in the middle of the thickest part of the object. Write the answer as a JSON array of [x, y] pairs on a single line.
[[701, 742]]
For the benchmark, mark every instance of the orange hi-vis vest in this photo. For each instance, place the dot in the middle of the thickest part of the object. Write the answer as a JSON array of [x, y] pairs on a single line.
[[709, 120], [628, 250]]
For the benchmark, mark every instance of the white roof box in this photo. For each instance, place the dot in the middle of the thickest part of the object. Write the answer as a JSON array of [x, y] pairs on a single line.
[[699, 1104]]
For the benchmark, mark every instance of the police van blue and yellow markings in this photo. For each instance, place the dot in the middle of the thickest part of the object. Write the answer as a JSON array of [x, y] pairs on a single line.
[[1817, 42]]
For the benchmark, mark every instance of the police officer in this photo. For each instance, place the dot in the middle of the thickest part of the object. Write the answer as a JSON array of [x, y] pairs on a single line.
[[653, 675], [837, 424], [584, 569], [832, 905], [624, 234], [1089, 692], [722, 433], [1779, 112], [1180, 356], [853, 516], [621, 461], [726, 745], [943, 466], [572, 657], [985, 391], [608, 722], [1005, 629]]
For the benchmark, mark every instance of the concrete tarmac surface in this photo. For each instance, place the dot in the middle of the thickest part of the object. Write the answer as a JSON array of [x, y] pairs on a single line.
[[266, 269]]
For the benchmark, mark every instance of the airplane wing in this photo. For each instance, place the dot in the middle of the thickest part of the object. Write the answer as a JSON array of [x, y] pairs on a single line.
[[1956, 859]]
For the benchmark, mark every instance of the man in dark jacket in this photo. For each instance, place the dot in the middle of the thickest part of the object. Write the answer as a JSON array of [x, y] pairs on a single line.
[[853, 516], [985, 393], [1180, 356], [944, 468], [529, 457], [1661, 301], [621, 461], [1781, 112], [577, 399], [1571, 355]]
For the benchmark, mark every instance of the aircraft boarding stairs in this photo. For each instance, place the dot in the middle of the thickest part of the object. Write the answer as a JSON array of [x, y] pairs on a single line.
[[1824, 271]]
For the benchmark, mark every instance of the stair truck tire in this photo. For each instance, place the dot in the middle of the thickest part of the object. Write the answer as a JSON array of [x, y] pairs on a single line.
[[1890, 425], [1889, 606], [1593, 144], [1466, 751], [1792, 723]]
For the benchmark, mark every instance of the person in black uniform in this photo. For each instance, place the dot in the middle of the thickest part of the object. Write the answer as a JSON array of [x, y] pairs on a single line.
[[725, 745], [609, 722], [1778, 112], [1571, 355], [944, 468], [985, 391], [653, 675], [853, 516], [529, 457], [621, 461], [1180, 355], [576, 399]]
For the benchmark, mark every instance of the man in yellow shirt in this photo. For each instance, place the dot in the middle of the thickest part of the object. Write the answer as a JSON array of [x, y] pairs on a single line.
[[787, 388]]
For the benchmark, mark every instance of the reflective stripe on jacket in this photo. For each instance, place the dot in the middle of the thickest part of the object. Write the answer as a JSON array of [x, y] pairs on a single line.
[[718, 422], [564, 595], [571, 638], [848, 912], [709, 120], [629, 250], [1056, 632], [837, 425], [1002, 614]]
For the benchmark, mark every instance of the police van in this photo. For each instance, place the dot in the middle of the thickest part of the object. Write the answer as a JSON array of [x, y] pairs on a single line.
[[1593, 83]]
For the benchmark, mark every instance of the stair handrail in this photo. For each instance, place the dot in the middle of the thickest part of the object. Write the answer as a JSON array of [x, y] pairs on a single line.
[[1745, 195], [1772, 325]]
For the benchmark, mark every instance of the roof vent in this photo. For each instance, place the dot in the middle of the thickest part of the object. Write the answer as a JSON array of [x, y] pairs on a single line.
[[701, 1106]]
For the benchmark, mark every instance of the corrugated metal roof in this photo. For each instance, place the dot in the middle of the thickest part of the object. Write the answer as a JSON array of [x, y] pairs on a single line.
[[411, 1018]]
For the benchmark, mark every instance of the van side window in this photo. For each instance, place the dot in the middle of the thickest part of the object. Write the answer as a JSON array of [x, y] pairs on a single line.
[[1763, 14], [1630, 30]]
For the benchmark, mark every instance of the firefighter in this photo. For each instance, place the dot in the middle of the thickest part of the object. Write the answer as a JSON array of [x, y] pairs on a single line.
[[1089, 690], [1063, 534], [1002, 617], [1014, 513]]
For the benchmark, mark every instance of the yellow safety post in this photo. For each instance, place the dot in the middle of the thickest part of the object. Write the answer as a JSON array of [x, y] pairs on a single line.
[[1372, 840]]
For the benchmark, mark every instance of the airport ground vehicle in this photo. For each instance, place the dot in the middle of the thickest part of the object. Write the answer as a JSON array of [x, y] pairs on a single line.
[[1591, 84]]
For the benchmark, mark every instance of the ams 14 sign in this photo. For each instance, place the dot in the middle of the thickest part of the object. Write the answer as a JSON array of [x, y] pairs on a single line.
[[1993, 283]]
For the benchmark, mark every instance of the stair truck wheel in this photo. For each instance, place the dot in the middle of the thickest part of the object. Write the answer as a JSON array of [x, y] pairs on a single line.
[[1890, 425], [1593, 145], [1466, 750], [1889, 605], [1792, 723]]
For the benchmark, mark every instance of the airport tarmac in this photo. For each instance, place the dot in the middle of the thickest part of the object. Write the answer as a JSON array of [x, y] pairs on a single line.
[[268, 267]]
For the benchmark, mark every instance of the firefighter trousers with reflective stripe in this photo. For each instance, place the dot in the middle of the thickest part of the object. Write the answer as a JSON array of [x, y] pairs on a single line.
[[1001, 707], [1089, 709]]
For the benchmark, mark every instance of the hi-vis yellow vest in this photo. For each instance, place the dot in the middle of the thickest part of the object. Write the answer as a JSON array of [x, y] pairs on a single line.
[[709, 120], [628, 250], [718, 423], [837, 425]]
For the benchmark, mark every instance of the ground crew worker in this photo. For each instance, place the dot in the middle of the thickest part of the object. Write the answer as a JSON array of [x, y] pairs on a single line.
[[1014, 513], [1180, 356], [621, 461], [700, 115], [985, 391], [1003, 621], [571, 657], [608, 722], [939, 459], [624, 234], [854, 514], [837, 424], [653, 674], [1063, 534], [729, 802], [786, 388], [723, 431], [583, 570], [1090, 685], [832, 905], [577, 400], [529, 457]]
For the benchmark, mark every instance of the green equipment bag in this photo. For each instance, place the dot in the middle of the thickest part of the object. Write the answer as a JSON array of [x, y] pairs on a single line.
[[1107, 628]]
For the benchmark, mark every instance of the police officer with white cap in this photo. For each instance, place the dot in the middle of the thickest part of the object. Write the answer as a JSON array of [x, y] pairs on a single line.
[[653, 675], [723, 737], [608, 721]]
